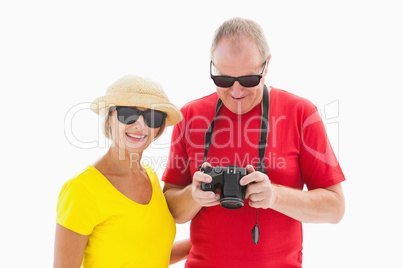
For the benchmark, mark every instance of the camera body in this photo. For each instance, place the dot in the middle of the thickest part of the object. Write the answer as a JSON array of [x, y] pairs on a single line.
[[227, 179]]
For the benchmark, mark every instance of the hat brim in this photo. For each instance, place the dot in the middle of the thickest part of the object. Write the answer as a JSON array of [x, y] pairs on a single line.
[[153, 102]]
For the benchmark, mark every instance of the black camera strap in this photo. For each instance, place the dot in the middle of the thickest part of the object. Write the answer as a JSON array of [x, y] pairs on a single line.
[[208, 133], [262, 145], [264, 128]]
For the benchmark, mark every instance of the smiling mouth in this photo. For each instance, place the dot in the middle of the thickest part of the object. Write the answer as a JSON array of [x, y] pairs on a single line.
[[139, 137]]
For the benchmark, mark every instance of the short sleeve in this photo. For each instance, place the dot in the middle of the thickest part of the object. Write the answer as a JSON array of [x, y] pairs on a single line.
[[318, 163], [76, 208], [177, 170]]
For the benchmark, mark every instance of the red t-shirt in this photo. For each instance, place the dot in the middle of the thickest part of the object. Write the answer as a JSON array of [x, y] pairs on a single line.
[[298, 153]]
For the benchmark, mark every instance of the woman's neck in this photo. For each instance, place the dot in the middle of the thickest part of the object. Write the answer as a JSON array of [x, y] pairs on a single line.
[[120, 162]]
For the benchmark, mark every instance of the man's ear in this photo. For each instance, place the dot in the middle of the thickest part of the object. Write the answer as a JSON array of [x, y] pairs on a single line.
[[266, 69]]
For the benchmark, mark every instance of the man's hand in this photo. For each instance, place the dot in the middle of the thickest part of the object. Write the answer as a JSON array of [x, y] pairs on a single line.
[[260, 191], [203, 198]]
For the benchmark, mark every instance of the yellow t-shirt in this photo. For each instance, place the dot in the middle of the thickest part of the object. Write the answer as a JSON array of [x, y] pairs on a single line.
[[122, 233]]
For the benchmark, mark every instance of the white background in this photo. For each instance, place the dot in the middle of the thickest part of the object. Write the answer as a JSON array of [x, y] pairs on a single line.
[[57, 56]]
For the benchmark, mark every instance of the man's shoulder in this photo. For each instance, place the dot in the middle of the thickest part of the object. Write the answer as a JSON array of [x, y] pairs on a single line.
[[283, 94], [285, 98], [200, 105]]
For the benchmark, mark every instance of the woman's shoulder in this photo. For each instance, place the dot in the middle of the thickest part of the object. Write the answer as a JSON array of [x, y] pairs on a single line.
[[83, 179], [87, 175], [150, 171], [153, 177]]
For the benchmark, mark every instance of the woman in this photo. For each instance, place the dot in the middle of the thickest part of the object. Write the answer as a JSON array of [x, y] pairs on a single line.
[[114, 213]]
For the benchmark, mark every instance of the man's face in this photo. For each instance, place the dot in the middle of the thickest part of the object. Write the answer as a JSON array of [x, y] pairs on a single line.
[[238, 58]]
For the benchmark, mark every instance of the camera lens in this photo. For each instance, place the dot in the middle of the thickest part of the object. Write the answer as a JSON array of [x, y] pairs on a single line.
[[232, 203]]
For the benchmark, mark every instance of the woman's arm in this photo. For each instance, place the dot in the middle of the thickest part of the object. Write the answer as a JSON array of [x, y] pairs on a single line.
[[69, 248], [180, 250]]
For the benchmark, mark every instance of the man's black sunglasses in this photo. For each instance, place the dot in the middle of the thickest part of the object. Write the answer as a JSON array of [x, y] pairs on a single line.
[[129, 115], [228, 81]]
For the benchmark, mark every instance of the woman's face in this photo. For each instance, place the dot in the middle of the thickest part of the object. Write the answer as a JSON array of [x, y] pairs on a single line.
[[133, 138]]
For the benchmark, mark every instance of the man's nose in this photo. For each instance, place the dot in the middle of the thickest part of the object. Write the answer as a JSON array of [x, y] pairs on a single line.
[[236, 90]]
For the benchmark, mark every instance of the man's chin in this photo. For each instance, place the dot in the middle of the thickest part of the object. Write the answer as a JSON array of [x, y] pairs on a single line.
[[236, 106], [239, 110]]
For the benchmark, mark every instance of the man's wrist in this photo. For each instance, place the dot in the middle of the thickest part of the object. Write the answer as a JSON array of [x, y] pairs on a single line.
[[275, 196]]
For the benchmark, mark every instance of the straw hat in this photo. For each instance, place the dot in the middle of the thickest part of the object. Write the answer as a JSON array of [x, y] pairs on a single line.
[[132, 90]]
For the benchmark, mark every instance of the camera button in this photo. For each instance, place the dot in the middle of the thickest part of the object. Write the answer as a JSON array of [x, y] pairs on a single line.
[[218, 169], [207, 169]]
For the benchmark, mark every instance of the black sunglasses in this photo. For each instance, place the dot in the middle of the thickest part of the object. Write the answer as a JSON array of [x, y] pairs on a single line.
[[129, 115], [228, 81]]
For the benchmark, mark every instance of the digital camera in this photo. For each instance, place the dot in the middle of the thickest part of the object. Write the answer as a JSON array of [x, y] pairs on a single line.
[[227, 179]]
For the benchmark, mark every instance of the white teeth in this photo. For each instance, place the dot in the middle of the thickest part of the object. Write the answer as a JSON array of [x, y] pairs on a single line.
[[136, 136]]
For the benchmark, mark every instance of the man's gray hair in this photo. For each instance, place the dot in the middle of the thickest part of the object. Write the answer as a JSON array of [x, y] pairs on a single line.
[[241, 28]]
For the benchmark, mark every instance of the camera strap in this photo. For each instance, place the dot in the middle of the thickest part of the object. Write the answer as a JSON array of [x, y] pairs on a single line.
[[264, 128], [262, 145]]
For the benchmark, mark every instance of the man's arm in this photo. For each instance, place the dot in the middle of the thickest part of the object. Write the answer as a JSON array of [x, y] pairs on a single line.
[[181, 203], [185, 202], [322, 205]]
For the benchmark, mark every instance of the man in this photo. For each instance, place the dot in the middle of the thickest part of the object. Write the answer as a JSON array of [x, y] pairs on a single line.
[[297, 153]]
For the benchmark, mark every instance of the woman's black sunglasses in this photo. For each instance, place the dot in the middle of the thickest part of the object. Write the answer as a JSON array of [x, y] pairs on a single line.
[[228, 81], [129, 115]]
